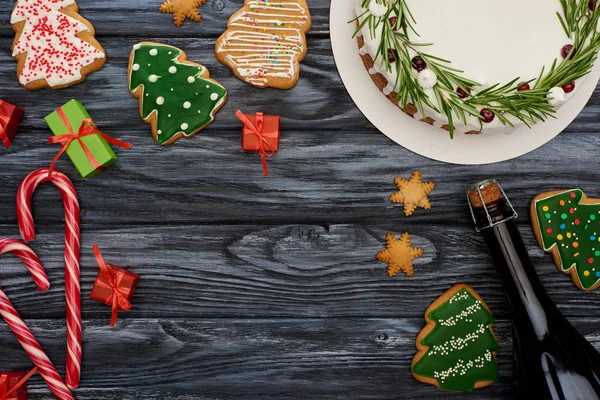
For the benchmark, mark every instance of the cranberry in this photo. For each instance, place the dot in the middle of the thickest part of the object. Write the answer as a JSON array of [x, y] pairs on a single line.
[[523, 86], [393, 21], [569, 87], [418, 63], [487, 115], [564, 52], [462, 94], [592, 5], [392, 55]]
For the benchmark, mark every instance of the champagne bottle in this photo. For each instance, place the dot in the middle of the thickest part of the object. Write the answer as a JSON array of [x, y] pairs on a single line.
[[552, 359]]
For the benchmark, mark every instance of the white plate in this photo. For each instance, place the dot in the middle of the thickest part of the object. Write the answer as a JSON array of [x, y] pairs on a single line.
[[430, 141]]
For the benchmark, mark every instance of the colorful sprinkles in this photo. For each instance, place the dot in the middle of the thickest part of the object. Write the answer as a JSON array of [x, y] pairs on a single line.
[[577, 243]]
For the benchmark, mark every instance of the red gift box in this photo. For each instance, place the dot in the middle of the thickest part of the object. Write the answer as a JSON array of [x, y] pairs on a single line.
[[10, 118], [270, 132], [9, 380], [114, 286], [260, 133]]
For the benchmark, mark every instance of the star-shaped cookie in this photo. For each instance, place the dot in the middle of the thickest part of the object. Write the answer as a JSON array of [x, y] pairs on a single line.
[[399, 255], [182, 9], [412, 193]]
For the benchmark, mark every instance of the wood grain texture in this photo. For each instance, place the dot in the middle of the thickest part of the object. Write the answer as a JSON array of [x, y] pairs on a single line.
[[139, 17], [291, 271], [254, 287], [323, 358]]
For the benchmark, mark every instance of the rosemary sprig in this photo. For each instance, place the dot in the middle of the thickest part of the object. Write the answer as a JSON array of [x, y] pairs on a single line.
[[529, 106]]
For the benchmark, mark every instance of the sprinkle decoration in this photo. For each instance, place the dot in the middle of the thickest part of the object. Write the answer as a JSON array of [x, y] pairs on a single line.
[[72, 245], [566, 224], [457, 347], [16, 324], [54, 51]]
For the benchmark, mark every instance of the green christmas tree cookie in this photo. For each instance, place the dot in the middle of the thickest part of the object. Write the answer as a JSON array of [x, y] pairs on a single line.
[[177, 97], [566, 223], [457, 348]]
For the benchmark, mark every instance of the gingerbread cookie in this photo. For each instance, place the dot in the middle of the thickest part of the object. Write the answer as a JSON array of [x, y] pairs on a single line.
[[182, 9], [265, 42], [399, 255], [54, 46], [177, 97], [457, 348], [412, 193], [566, 223]]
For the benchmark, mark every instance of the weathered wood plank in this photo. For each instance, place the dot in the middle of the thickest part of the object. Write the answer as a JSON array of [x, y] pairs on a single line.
[[276, 271], [243, 359], [318, 102], [315, 178], [138, 17]]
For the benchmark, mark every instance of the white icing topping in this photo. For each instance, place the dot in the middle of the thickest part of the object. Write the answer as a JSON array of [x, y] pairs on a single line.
[[427, 79], [556, 96], [378, 9], [172, 70], [187, 105], [191, 79], [184, 126], [153, 52], [388, 89], [160, 100], [135, 67], [153, 78], [214, 96]]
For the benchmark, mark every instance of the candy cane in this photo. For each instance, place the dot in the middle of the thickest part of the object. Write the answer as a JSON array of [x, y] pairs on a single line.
[[17, 325], [73, 291]]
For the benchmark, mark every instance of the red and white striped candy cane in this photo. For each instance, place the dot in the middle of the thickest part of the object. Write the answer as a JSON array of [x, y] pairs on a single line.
[[73, 291], [17, 325]]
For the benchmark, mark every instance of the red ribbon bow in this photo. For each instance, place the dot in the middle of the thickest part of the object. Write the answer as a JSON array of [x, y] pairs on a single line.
[[4, 120], [258, 131], [119, 296], [5, 392], [87, 128]]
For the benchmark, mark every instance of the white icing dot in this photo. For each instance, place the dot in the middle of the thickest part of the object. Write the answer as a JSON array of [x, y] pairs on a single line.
[[427, 79], [191, 79], [187, 105], [184, 126], [147, 94], [169, 115], [137, 46], [172, 90], [159, 131], [135, 67], [556, 96], [199, 112], [153, 52], [208, 86], [153, 78], [378, 9], [214, 96], [172, 70], [160, 101], [170, 52]]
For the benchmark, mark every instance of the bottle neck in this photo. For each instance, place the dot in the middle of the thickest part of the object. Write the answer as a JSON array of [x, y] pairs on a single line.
[[526, 294]]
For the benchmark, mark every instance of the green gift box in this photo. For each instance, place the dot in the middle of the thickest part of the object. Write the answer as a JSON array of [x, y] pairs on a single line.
[[68, 120]]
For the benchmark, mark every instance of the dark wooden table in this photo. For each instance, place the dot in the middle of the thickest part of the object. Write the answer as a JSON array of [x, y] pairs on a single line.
[[257, 287]]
